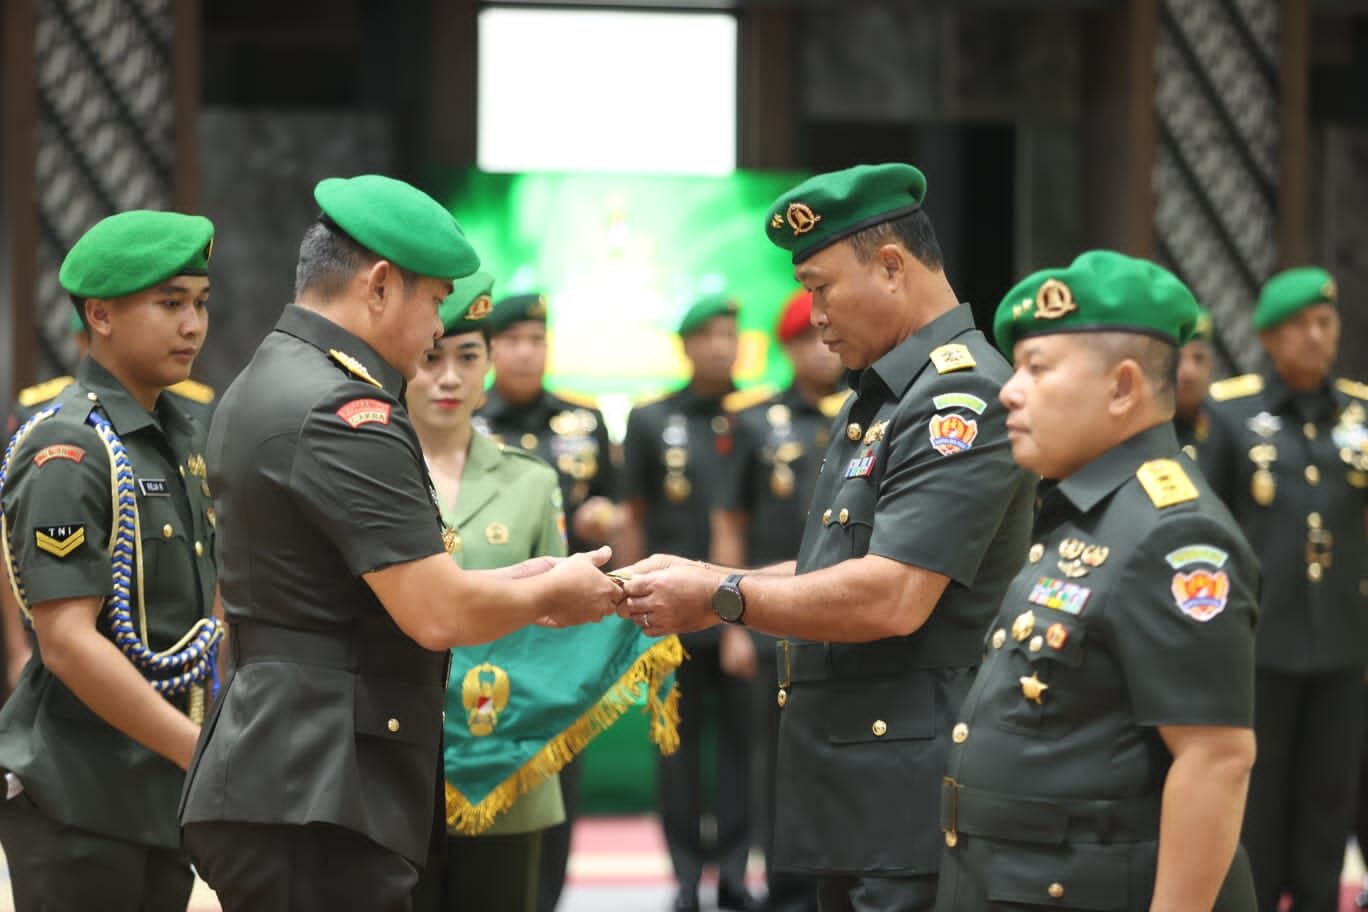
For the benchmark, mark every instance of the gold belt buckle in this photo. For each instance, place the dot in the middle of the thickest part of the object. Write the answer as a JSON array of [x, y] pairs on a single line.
[[786, 679], [952, 831]]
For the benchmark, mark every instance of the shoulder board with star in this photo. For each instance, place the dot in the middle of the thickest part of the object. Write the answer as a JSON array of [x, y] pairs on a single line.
[[354, 367], [1166, 483], [194, 391], [952, 357], [741, 400], [42, 392], [1352, 388], [830, 406], [1236, 387], [576, 399]]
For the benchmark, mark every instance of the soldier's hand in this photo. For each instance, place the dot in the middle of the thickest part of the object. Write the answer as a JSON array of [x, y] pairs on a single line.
[[736, 653], [582, 593], [653, 563], [677, 599]]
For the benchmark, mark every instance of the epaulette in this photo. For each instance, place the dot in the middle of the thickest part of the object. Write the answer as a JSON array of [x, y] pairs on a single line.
[[42, 392], [576, 399], [1352, 388], [952, 357], [1236, 387], [740, 400], [831, 405], [354, 367], [1166, 483], [194, 391]]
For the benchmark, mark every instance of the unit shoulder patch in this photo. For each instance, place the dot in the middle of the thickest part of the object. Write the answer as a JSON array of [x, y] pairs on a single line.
[[59, 541], [42, 392], [365, 411], [58, 451], [1166, 483], [952, 357], [831, 406], [740, 400], [1352, 388], [1236, 387], [353, 367], [194, 391]]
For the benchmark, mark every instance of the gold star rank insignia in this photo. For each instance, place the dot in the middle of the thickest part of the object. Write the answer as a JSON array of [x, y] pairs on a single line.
[[1033, 688]]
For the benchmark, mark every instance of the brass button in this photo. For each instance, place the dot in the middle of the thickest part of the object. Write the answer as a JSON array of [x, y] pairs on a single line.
[[167, 531], [1314, 572], [951, 838], [204, 487], [1309, 430], [1313, 520], [444, 715], [392, 725], [719, 424], [854, 431], [880, 728], [182, 471], [1312, 475], [199, 549], [826, 517], [1037, 643], [960, 733], [844, 516], [1056, 891], [1036, 553], [999, 637], [92, 397], [782, 697], [529, 441]]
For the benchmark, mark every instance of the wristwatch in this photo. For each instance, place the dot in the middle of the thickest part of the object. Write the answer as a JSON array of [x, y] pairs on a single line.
[[728, 601]]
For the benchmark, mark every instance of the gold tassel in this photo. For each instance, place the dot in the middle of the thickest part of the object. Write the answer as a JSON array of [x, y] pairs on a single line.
[[651, 668]]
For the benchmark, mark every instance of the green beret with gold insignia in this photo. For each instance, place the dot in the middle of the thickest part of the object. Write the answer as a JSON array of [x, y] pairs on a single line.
[[704, 309], [132, 251], [1100, 291], [517, 308], [399, 223], [1292, 291], [468, 306], [830, 207]]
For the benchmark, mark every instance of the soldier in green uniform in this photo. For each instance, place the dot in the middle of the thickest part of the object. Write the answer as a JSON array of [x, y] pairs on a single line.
[[675, 449], [1288, 453], [918, 521], [569, 433], [108, 536], [1101, 758], [505, 506], [316, 783], [1194, 379], [761, 502]]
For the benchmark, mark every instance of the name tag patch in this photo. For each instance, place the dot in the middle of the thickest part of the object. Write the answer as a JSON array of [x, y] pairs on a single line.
[[59, 541], [153, 487], [1059, 595], [365, 411]]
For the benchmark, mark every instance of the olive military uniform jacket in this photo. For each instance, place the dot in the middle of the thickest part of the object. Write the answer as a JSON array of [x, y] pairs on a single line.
[[569, 435], [508, 509], [1293, 469], [918, 471], [331, 713], [1135, 609], [78, 769], [194, 399]]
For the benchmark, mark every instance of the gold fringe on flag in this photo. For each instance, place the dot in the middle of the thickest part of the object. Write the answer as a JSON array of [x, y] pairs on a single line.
[[651, 668]]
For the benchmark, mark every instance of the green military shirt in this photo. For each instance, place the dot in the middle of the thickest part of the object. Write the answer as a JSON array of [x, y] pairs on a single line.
[[508, 509], [331, 714], [776, 457], [57, 500], [192, 397], [919, 471], [570, 435], [1293, 469], [1135, 609]]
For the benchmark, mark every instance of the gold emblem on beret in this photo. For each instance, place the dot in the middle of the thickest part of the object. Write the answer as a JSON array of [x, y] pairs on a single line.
[[801, 218], [1329, 290], [538, 309], [1054, 300], [484, 693], [480, 309], [777, 221], [209, 252], [496, 533]]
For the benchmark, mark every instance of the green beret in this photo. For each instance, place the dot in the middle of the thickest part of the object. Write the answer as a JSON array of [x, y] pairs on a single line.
[[399, 223], [1100, 291], [829, 207], [1202, 332], [704, 309], [467, 308], [135, 250], [515, 309], [1292, 291]]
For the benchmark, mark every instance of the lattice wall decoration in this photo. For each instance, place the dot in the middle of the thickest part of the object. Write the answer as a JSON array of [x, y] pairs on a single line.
[[104, 136], [1215, 176]]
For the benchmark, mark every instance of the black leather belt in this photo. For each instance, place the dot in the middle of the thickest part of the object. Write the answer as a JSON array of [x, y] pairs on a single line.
[[372, 654], [997, 815]]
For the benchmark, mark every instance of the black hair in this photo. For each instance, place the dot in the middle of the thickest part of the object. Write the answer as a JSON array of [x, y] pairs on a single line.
[[329, 258], [913, 231], [1157, 358]]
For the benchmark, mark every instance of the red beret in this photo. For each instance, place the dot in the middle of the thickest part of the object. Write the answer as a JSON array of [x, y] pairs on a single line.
[[793, 322]]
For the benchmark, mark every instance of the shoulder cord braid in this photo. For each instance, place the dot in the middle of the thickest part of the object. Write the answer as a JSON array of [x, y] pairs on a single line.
[[173, 671]]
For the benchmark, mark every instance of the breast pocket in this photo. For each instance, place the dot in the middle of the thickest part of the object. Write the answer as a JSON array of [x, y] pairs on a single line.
[[852, 512], [1045, 664], [168, 554]]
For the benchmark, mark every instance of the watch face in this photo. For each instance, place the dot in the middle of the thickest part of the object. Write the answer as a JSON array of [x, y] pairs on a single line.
[[728, 604]]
